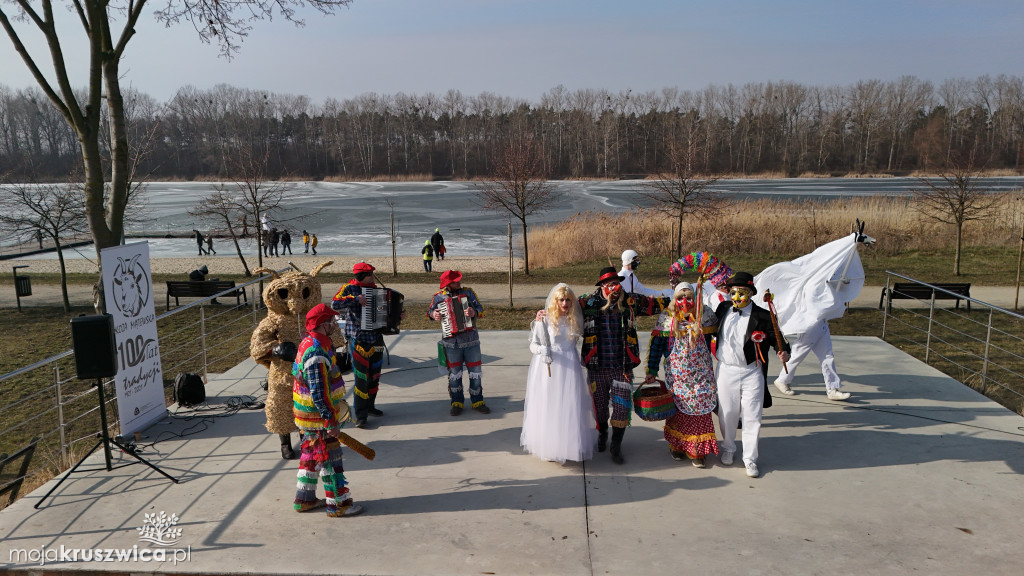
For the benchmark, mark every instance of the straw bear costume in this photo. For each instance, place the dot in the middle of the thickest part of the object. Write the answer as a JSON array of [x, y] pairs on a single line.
[[288, 297]]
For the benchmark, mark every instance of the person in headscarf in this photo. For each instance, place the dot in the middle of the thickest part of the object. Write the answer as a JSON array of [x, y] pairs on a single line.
[[558, 414], [679, 337]]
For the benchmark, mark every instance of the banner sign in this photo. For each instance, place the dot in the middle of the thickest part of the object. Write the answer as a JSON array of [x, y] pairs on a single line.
[[128, 290]]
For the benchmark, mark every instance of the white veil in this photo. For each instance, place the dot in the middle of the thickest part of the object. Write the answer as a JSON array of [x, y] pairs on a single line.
[[575, 315]]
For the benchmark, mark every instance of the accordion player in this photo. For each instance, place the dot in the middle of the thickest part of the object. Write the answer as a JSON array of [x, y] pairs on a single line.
[[383, 310], [454, 316]]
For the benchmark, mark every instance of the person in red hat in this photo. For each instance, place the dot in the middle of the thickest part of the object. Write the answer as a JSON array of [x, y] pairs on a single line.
[[366, 347], [744, 334], [319, 406], [611, 351], [462, 348]]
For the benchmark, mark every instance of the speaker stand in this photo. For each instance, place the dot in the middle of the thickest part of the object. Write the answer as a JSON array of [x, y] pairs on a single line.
[[105, 441]]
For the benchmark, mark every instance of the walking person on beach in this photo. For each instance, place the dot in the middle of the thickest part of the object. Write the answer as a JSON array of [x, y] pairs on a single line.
[[437, 243], [275, 237], [209, 245], [305, 241], [286, 242], [200, 241], [312, 244], [428, 256], [558, 414]]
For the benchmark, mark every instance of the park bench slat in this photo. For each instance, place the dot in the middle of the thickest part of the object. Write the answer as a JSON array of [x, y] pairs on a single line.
[[914, 291], [202, 289]]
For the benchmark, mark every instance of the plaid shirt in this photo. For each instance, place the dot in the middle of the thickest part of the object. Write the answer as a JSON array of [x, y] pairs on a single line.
[[609, 336], [346, 301]]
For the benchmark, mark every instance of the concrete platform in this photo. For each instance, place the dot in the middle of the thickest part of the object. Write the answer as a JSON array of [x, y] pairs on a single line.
[[916, 473]]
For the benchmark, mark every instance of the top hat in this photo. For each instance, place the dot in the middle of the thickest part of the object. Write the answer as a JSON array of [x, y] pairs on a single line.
[[607, 274], [741, 279]]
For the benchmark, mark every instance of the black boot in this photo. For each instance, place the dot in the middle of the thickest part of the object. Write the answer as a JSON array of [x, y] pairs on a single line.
[[286, 447], [617, 434], [602, 437]]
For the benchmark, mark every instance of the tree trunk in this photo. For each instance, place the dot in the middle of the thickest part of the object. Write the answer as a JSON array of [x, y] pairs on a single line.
[[956, 256], [120, 172], [526, 249], [63, 274], [679, 233], [238, 249], [259, 243]]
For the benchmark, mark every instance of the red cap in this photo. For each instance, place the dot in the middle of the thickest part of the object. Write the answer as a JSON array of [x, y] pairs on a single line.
[[362, 267], [450, 276], [318, 315]]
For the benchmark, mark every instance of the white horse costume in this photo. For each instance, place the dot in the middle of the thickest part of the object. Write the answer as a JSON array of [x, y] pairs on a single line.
[[808, 292]]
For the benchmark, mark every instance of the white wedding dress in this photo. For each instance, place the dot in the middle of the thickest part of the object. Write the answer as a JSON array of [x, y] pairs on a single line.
[[558, 416]]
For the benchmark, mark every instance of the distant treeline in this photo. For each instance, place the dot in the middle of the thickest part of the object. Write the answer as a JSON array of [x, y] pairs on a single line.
[[785, 128]]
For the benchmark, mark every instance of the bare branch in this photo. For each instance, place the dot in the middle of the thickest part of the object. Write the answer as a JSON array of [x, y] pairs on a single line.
[[955, 198], [520, 187]]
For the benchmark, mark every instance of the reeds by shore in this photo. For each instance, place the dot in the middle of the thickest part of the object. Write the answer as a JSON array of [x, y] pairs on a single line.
[[769, 226]]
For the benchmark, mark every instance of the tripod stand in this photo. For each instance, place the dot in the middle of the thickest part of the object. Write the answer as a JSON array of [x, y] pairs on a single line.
[[104, 441]]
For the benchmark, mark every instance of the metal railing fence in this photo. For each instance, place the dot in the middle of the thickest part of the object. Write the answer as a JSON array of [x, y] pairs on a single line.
[[46, 403], [982, 348]]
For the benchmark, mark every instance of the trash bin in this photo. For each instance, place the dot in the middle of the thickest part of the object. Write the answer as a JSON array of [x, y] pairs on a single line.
[[22, 286]]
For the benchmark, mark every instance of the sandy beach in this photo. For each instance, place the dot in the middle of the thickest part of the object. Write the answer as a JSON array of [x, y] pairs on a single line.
[[225, 264]]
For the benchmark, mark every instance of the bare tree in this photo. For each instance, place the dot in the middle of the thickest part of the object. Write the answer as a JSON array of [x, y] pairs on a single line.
[[108, 26], [681, 192], [955, 198], [226, 207], [520, 186], [52, 210]]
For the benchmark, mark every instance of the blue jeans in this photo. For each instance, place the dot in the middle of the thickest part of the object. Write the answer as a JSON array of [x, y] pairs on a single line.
[[472, 359]]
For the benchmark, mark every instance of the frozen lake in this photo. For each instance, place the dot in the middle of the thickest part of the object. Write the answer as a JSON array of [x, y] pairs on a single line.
[[351, 218]]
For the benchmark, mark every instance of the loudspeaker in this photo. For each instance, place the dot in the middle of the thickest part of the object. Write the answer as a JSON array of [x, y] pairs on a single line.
[[95, 347]]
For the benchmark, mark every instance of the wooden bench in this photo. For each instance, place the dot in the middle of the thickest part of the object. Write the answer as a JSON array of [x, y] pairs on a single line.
[[203, 289], [915, 291]]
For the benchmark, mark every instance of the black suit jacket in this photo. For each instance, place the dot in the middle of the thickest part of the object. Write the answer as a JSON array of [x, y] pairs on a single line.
[[760, 320]]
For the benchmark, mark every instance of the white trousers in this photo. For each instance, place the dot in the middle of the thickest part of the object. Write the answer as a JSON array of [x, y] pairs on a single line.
[[819, 341], [740, 395]]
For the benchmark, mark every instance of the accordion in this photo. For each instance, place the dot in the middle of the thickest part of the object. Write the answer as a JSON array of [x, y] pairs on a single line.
[[454, 319], [383, 310]]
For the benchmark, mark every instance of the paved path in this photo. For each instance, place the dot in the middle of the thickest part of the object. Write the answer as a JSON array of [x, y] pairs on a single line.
[[916, 473]]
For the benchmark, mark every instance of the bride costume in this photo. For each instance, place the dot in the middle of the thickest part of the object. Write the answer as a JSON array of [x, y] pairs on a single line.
[[558, 416]]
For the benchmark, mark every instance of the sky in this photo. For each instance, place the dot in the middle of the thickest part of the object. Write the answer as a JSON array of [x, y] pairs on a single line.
[[524, 48]]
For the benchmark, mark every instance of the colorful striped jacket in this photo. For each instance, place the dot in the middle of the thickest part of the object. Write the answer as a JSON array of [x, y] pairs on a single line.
[[319, 390]]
